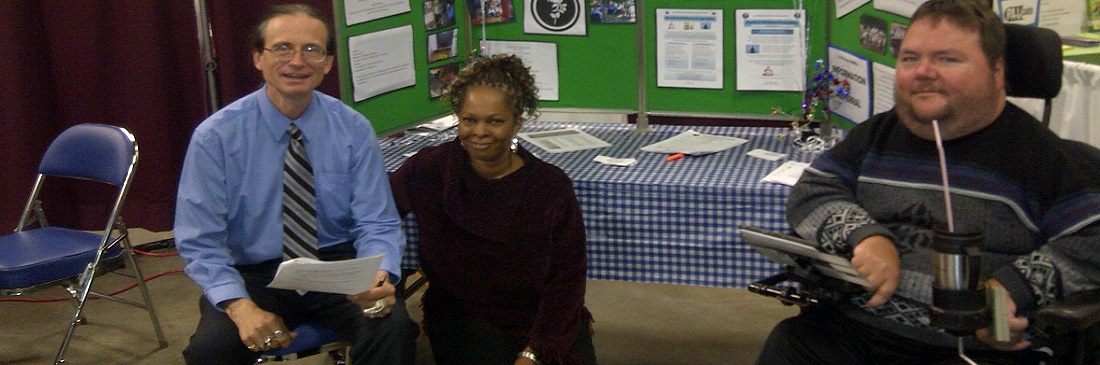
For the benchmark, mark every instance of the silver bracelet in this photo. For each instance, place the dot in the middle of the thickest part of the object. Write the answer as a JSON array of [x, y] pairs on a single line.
[[529, 356]]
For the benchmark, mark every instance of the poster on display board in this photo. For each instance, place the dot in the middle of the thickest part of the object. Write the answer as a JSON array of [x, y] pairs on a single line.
[[905, 8], [1061, 16], [771, 47], [541, 57], [556, 17], [381, 62], [846, 66], [843, 7], [359, 11], [689, 48]]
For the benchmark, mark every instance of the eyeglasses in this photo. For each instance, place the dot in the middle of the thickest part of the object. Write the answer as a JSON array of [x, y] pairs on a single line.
[[283, 52]]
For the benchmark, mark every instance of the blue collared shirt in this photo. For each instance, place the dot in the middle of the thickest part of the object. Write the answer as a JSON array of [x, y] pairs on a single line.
[[229, 204]]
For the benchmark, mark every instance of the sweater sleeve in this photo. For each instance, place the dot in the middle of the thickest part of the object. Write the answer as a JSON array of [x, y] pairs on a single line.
[[399, 183], [1065, 265], [1068, 259], [561, 309], [823, 207]]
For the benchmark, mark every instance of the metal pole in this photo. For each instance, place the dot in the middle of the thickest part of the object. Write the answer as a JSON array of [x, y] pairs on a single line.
[[642, 122], [202, 24]]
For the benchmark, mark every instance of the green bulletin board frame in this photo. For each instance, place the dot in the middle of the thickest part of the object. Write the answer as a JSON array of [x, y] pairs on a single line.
[[729, 101], [598, 71], [393, 111]]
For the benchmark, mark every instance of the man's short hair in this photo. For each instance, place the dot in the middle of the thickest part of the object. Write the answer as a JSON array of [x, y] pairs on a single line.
[[257, 36], [973, 15]]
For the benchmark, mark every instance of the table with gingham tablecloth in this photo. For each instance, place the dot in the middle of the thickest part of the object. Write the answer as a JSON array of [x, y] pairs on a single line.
[[658, 221]]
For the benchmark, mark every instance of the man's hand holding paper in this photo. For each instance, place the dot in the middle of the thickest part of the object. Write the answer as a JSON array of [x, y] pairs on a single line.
[[379, 300]]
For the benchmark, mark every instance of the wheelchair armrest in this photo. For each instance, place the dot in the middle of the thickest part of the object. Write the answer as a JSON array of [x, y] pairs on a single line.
[[815, 287], [1071, 314]]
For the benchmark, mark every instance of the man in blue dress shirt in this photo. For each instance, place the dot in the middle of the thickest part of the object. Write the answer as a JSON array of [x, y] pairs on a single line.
[[229, 210]]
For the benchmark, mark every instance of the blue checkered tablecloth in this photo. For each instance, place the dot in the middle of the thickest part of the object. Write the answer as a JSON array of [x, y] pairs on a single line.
[[658, 222]]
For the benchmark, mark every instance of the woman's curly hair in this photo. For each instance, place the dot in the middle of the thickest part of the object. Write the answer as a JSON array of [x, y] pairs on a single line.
[[502, 72]]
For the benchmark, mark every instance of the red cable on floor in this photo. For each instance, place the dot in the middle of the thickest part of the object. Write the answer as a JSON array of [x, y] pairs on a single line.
[[131, 286], [146, 253]]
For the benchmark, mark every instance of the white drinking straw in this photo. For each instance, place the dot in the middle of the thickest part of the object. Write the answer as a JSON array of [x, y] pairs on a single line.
[[943, 174]]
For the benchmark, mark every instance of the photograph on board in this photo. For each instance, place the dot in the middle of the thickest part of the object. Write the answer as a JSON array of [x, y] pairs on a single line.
[[441, 45], [897, 33], [439, 14], [441, 78], [611, 11], [496, 11], [872, 33]]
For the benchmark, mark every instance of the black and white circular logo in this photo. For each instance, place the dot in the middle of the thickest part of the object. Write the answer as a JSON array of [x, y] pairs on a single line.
[[556, 15]]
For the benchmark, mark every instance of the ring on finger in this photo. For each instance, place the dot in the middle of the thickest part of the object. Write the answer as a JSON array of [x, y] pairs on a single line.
[[253, 348], [277, 334], [377, 308]]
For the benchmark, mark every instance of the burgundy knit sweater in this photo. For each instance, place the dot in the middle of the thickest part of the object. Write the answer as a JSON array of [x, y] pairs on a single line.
[[508, 251]]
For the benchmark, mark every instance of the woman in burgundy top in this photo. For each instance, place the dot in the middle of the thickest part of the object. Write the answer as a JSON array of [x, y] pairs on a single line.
[[501, 236]]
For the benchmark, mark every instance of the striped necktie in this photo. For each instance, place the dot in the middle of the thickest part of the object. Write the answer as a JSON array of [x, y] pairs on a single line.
[[299, 201]]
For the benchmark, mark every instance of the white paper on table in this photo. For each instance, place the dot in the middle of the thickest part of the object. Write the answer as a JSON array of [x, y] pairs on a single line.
[[352, 276], [787, 173], [441, 124], [564, 140], [608, 160], [766, 155], [694, 143]]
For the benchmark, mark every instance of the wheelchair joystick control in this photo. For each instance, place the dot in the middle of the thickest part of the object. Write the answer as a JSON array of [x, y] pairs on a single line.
[[958, 295]]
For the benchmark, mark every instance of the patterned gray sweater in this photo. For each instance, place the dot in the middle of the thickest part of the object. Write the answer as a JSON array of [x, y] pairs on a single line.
[[1035, 196]]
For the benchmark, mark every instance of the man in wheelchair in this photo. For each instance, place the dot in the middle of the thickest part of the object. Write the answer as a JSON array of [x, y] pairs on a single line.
[[875, 197]]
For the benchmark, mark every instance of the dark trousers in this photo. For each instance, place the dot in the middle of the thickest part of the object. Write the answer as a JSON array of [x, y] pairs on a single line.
[[823, 335], [461, 340], [388, 340]]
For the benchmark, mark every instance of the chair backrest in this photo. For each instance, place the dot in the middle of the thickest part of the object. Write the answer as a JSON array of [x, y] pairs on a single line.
[[1033, 64], [92, 151]]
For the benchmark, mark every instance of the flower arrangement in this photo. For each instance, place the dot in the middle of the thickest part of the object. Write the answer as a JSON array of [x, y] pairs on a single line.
[[815, 106]]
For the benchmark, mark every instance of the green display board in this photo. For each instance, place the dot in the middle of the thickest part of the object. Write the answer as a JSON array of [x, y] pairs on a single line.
[[597, 71], [728, 100], [600, 70], [845, 33], [395, 110]]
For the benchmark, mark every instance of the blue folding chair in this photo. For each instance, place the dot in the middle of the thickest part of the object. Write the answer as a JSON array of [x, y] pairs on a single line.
[[38, 255], [313, 338]]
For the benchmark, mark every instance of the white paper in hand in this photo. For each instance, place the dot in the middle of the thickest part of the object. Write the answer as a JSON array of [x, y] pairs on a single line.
[[342, 277]]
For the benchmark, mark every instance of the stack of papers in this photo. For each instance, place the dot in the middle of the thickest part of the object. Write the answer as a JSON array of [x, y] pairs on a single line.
[[564, 140], [695, 144], [440, 124]]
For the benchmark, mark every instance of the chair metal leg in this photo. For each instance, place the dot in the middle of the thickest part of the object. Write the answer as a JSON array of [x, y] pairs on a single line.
[[82, 297], [85, 289], [74, 298], [128, 251]]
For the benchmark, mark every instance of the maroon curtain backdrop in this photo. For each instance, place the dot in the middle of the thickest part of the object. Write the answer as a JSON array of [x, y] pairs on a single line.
[[134, 64], [232, 23]]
